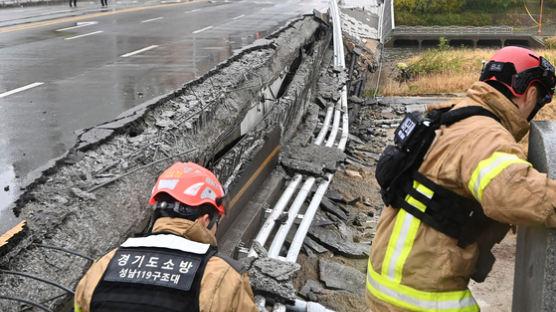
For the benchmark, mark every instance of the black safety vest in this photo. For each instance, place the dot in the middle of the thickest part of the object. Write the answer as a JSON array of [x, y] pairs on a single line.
[[153, 279], [397, 171]]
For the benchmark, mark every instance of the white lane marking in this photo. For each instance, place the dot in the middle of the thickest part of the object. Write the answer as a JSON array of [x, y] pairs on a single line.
[[78, 25], [238, 17], [152, 19], [84, 35], [202, 29], [139, 51], [29, 86], [192, 11]]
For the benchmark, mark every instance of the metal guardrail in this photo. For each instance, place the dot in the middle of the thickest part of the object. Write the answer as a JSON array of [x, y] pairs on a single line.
[[454, 30]]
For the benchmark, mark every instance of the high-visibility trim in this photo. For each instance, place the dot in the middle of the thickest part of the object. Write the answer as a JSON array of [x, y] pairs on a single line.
[[403, 236], [488, 169], [401, 228], [76, 308], [412, 299], [401, 243], [423, 189], [167, 241], [415, 203]]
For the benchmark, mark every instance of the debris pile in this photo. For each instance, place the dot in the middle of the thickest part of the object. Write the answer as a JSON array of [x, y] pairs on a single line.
[[105, 180]]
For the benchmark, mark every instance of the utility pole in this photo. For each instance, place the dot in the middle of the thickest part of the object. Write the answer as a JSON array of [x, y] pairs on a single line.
[[540, 20]]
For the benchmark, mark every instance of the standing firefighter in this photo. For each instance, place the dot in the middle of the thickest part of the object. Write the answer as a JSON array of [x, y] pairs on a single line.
[[451, 193], [175, 268]]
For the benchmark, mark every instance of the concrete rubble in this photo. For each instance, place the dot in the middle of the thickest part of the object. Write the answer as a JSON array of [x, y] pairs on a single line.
[[105, 180], [338, 276], [286, 82]]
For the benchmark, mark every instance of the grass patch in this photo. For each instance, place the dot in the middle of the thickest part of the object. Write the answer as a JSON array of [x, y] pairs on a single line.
[[443, 70]]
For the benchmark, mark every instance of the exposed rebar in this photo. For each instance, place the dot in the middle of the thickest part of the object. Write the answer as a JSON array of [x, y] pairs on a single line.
[[94, 188], [44, 280], [66, 250], [37, 305]]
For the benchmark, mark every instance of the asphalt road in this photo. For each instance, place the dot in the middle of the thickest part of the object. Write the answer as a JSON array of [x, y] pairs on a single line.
[[64, 69]]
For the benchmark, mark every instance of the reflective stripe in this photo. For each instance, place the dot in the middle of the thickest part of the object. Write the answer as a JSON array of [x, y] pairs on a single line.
[[488, 169], [415, 203], [167, 241], [400, 244], [76, 308], [168, 184], [403, 236], [416, 300], [423, 189]]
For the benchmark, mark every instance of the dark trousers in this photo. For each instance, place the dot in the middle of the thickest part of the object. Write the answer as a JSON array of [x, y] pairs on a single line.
[[74, 2], [104, 2]]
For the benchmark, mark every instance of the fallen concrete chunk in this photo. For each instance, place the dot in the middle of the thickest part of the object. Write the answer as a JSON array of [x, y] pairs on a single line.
[[279, 270], [312, 159], [338, 276], [314, 245], [321, 220], [272, 278], [333, 239], [335, 196], [327, 205]]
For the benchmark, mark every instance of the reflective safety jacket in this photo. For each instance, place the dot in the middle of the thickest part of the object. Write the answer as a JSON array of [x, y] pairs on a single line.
[[180, 248], [413, 267]]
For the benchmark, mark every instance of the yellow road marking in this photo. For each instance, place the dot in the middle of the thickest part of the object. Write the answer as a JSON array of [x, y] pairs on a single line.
[[254, 176], [79, 18], [11, 233]]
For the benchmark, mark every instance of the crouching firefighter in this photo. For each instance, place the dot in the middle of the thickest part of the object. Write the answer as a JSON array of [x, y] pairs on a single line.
[[175, 267], [453, 182]]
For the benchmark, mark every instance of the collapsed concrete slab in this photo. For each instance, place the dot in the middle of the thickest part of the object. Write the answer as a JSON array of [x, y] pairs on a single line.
[[341, 277], [92, 198], [312, 160], [333, 239]]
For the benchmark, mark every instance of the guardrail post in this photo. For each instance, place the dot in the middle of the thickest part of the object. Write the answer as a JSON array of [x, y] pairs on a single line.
[[535, 265]]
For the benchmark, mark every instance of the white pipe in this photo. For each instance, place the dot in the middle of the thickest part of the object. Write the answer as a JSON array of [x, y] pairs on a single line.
[[282, 232], [303, 228], [268, 225], [335, 127], [304, 306], [345, 121], [325, 126]]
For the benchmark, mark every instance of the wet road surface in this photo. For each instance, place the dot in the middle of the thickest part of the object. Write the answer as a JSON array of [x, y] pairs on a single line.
[[73, 71]]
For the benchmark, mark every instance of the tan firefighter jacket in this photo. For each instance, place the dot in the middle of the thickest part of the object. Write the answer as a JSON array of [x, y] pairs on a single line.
[[413, 267], [222, 287]]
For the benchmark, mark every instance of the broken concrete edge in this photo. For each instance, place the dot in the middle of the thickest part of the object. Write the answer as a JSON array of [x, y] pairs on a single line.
[[272, 278], [12, 236], [57, 217], [280, 118], [121, 123]]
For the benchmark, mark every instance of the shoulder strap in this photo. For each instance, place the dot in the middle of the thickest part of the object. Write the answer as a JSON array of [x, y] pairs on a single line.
[[236, 265], [453, 116]]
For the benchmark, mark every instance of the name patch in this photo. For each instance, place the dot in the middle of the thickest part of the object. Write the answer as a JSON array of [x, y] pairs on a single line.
[[157, 268]]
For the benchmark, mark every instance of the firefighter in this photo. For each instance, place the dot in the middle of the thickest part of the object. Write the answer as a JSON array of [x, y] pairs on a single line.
[[175, 267], [473, 182]]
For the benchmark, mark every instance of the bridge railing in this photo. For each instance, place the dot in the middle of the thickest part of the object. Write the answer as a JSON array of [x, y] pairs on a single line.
[[453, 30]]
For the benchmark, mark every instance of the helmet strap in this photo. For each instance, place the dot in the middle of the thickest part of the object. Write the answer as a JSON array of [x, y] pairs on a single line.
[[534, 112], [213, 221]]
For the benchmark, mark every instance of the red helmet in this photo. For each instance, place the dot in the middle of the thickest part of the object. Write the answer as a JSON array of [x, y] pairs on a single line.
[[518, 68], [190, 184]]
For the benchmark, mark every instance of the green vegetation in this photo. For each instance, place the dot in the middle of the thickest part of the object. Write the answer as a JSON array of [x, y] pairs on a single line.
[[469, 12], [550, 42], [444, 70]]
